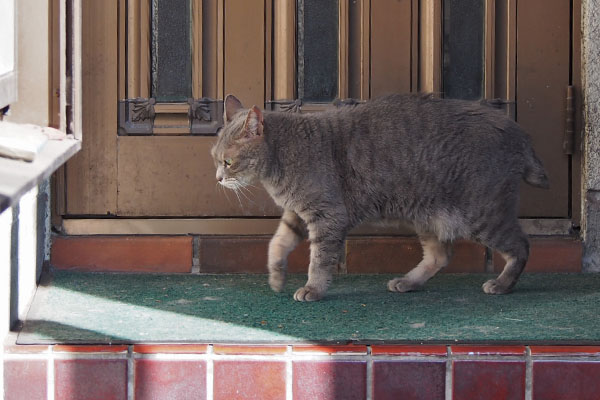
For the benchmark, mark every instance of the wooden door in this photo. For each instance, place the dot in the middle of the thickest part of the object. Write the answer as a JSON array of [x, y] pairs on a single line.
[[155, 77]]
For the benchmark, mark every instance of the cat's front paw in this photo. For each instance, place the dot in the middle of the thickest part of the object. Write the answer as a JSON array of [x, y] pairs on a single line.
[[308, 293], [402, 285], [277, 281], [494, 287]]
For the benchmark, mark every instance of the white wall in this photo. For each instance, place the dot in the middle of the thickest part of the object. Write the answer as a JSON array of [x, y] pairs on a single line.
[[24, 240], [5, 245], [7, 31]]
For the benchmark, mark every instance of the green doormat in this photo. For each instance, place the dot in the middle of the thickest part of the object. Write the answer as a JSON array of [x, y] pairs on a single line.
[[75, 307]]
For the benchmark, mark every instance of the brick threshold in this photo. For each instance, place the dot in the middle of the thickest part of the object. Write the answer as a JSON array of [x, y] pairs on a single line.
[[217, 371], [248, 254]]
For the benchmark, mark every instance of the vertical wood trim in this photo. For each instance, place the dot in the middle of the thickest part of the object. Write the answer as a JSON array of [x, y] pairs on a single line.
[[209, 49], [76, 84], [62, 66], [55, 65], [144, 49], [196, 48], [511, 59], [576, 160], [138, 49], [365, 54], [268, 23], [430, 70], [414, 53], [343, 46], [220, 49], [133, 46], [92, 174], [122, 73], [489, 49], [284, 49]]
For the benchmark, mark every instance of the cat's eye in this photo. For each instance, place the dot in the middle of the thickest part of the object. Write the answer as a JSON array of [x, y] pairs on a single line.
[[227, 162]]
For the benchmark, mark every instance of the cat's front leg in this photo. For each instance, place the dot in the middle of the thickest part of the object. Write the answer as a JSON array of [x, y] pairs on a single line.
[[327, 242], [290, 232]]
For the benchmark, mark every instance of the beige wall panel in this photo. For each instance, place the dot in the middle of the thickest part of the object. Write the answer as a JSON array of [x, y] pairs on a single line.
[[91, 174], [175, 176], [390, 46], [245, 50], [542, 77]]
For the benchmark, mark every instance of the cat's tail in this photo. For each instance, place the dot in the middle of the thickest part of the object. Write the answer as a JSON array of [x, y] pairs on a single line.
[[535, 174]]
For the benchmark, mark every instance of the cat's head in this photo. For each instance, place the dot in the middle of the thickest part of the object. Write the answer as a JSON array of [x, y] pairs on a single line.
[[240, 149]]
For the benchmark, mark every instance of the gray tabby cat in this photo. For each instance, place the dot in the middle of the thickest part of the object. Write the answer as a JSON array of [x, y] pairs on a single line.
[[452, 168]]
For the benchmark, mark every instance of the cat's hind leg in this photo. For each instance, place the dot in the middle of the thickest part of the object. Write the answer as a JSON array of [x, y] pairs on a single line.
[[436, 255], [513, 245], [290, 232]]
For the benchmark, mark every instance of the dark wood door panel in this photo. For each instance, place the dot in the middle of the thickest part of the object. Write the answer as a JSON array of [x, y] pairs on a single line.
[[175, 176], [391, 38], [543, 60]]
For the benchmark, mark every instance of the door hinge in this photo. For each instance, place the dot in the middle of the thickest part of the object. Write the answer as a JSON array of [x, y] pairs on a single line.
[[569, 136]]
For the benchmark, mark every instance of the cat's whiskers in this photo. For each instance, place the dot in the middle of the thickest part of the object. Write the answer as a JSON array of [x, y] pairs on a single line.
[[241, 189], [222, 189]]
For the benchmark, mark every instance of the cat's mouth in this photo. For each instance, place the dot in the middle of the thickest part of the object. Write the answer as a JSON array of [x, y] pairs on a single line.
[[233, 183]]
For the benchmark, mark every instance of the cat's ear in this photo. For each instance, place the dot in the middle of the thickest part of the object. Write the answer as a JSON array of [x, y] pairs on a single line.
[[231, 105], [253, 127]]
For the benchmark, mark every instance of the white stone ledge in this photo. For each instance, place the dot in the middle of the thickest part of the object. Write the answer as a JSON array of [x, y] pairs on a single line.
[[18, 177]]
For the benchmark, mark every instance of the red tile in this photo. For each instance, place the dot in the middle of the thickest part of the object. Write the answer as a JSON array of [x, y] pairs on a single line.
[[90, 379], [467, 257], [233, 254], [489, 380], [249, 350], [564, 350], [123, 253], [401, 254], [25, 379], [409, 380], [264, 380], [63, 348], [299, 258], [409, 350], [329, 380], [170, 348], [382, 254], [565, 380], [489, 350], [243, 254], [161, 379], [332, 349], [550, 255]]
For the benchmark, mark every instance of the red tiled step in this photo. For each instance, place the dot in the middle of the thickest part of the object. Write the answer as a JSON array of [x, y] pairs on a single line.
[[171, 254], [248, 254], [308, 371]]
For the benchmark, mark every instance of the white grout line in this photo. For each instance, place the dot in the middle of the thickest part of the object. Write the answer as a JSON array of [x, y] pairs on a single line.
[[130, 374], [289, 374], [528, 375], [209, 373], [449, 372], [369, 388]]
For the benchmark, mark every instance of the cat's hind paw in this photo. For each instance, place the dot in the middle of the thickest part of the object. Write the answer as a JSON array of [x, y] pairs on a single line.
[[494, 287], [308, 293], [402, 285]]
